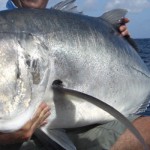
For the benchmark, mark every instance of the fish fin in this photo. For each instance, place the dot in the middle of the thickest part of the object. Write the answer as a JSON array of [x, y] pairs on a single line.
[[105, 107], [68, 6], [144, 109], [57, 137], [115, 17]]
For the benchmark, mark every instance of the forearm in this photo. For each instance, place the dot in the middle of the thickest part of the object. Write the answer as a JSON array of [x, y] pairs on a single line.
[[127, 141]]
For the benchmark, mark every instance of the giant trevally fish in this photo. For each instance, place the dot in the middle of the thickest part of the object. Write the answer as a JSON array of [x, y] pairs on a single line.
[[72, 54]]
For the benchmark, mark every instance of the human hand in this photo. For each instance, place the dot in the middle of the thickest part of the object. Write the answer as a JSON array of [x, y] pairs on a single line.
[[28, 129], [123, 28]]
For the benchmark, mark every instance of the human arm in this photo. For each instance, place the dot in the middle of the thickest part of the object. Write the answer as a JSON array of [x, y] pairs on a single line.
[[28, 129], [127, 141]]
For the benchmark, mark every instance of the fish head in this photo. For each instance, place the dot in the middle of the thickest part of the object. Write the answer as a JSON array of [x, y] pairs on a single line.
[[15, 85], [24, 75]]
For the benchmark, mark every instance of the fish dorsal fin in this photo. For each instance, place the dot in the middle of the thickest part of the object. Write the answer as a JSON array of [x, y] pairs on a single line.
[[106, 108], [114, 16], [68, 6]]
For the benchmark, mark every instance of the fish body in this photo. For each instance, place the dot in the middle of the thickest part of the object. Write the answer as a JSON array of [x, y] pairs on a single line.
[[40, 47]]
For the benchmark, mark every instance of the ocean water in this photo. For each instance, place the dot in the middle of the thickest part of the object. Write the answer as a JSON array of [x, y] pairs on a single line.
[[144, 47], [144, 52]]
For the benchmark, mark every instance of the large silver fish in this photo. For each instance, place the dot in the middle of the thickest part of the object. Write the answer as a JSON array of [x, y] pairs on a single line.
[[40, 49]]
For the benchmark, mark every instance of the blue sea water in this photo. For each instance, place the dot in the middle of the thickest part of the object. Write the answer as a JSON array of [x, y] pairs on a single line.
[[144, 50]]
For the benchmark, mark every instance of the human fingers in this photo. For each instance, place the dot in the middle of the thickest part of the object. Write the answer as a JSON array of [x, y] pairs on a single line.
[[125, 33], [28, 129], [125, 20], [42, 116], [123, 30], [44, 122], [30, 123], [42, 109]]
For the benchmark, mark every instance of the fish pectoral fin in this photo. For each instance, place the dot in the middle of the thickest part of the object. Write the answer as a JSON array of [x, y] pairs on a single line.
[[106, 108], [68, 6], [55, 138]]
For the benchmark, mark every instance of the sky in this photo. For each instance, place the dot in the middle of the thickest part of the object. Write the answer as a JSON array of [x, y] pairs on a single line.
[[138, 12]]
